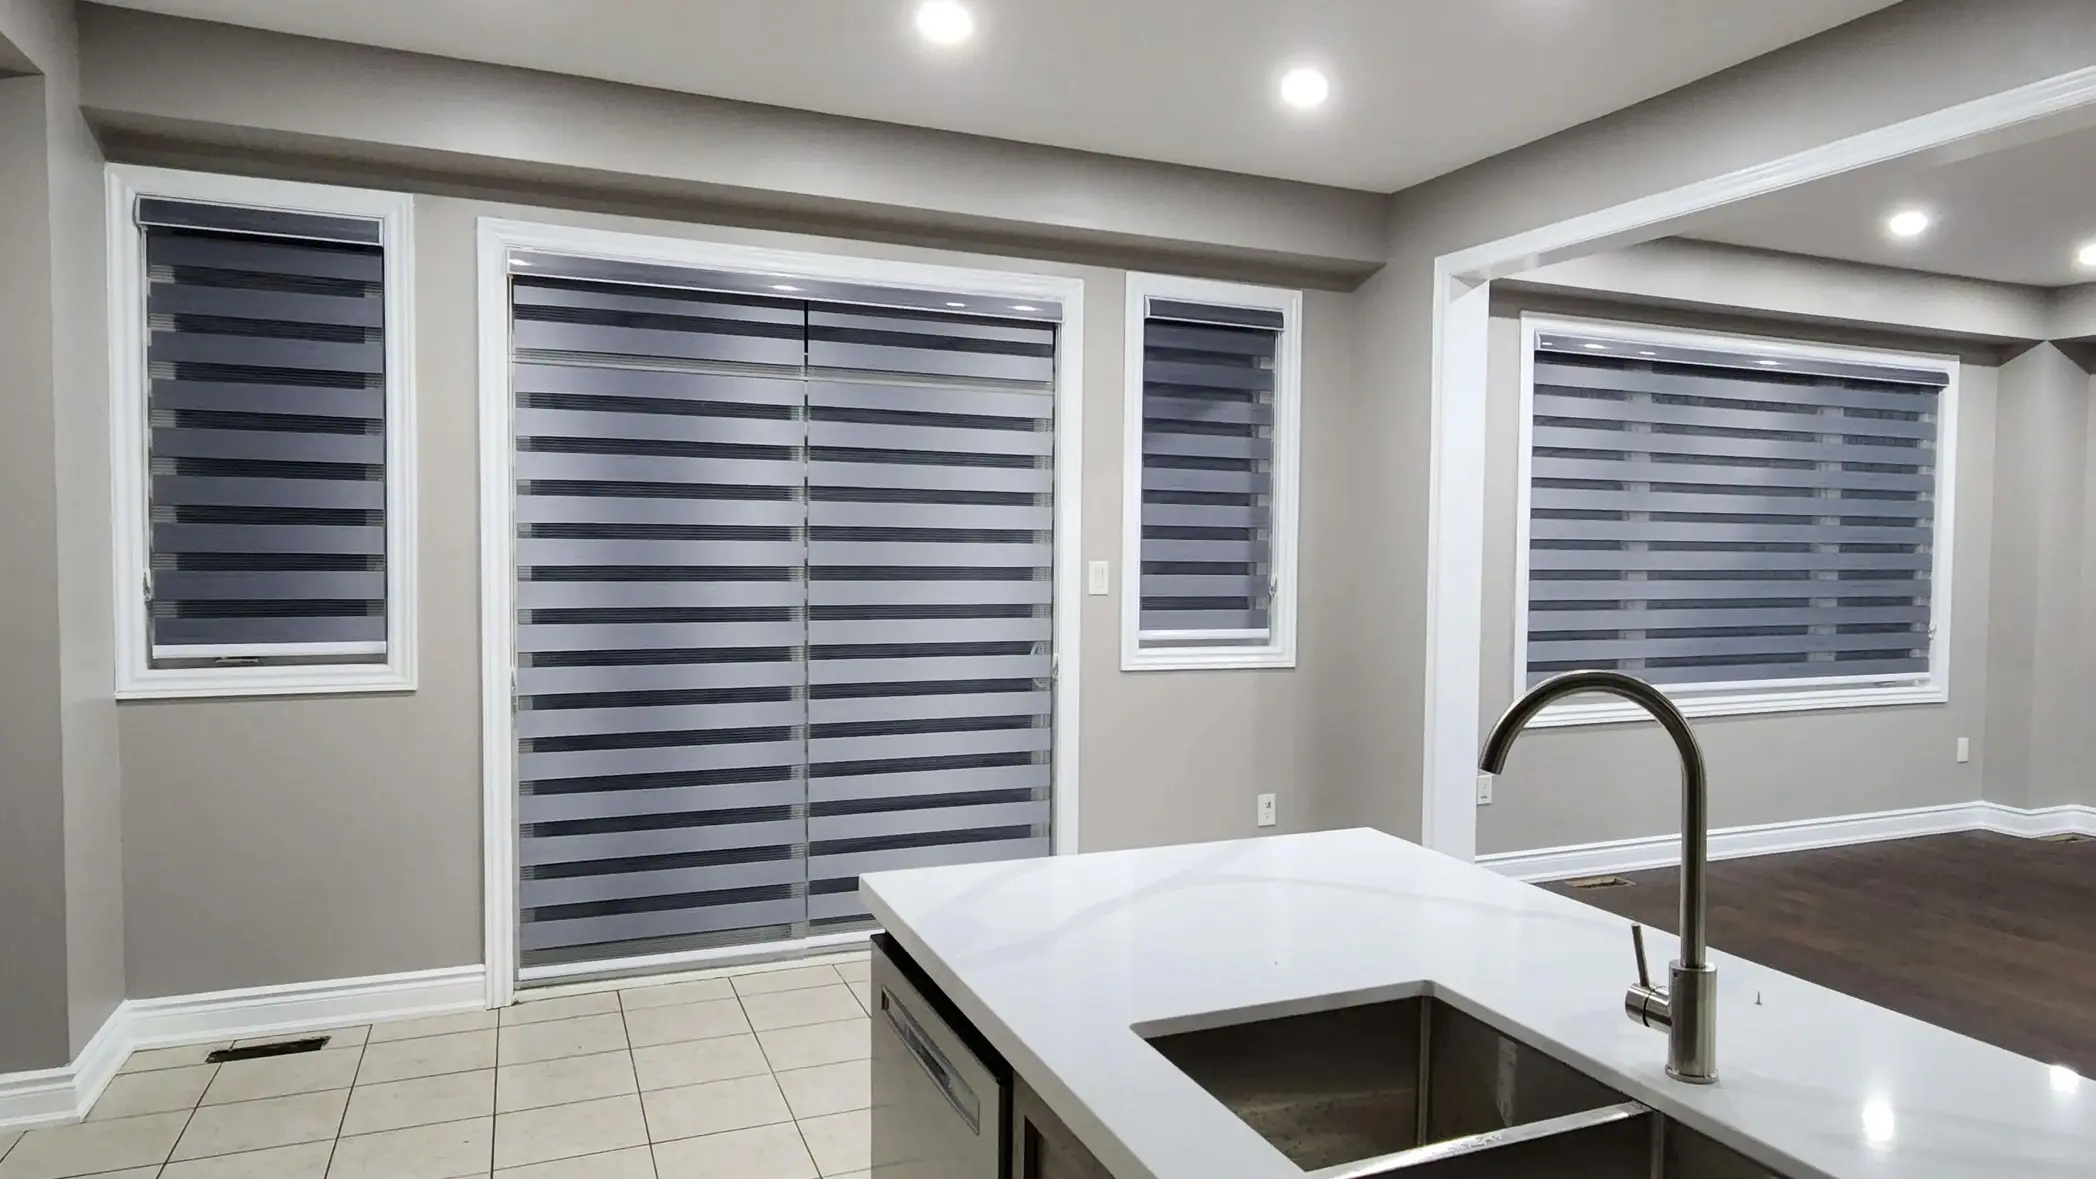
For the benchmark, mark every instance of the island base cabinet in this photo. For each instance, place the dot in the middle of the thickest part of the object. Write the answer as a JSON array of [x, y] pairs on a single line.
[[1044, 1148]]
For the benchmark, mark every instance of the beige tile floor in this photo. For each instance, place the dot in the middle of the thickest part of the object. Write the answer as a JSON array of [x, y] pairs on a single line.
[[753, 1074]]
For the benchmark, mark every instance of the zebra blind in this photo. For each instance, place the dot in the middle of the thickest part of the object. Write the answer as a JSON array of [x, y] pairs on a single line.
[[266, 446], [1704, 518], [1207, 575], [930, 565], [782, 607]]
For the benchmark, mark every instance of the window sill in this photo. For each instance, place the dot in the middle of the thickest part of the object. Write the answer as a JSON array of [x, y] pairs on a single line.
[[213, 683], [1613, 712], [1208, 659]]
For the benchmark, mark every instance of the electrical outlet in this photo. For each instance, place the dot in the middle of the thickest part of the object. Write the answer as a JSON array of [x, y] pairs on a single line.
[[1098, 578], [1964, 750], [1266, 810], [1484, 790]]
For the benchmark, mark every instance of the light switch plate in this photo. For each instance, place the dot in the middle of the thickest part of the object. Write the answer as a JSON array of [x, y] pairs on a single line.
[[1098, 578], [1484, 790], [1964, 750]]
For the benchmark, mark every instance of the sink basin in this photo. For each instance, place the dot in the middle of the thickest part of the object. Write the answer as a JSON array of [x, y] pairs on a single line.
[[1415, 1088]]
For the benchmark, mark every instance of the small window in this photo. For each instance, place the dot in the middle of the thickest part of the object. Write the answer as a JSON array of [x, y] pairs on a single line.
[[1209, 560], [1750, 525], [262, 431]]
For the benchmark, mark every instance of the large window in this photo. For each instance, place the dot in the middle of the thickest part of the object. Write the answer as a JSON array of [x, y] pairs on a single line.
[[261, 421], [1751, 525], [1208, 568]]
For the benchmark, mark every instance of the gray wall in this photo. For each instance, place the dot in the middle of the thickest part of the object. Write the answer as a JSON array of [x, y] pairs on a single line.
[[2040, 660], [1913, 58], [283, 840], [1594, 783], [60, 839]]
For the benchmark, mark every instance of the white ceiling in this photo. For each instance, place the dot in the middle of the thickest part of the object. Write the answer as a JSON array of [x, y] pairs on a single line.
[[1419, 87], [2016, 215]]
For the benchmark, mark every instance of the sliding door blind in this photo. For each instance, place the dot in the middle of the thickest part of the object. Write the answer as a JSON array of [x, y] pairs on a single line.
[[660, 514], [1701, 518], [783, 591], [1207, 496], [266, 406], [930, 564]]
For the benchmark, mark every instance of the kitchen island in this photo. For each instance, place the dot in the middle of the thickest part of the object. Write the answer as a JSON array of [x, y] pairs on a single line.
[[1068, 969]]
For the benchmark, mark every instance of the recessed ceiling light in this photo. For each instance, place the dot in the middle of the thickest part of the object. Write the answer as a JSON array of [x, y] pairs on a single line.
[[1596, 347], [944, 22], [1908, 223], [2086, 255], [1648, 353], [956, 304], [780, 286], [1024, 307], [1769, 363], [1305, 88]]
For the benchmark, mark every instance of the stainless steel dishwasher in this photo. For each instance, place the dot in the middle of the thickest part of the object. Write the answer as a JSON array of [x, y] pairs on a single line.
[[941, 1096]]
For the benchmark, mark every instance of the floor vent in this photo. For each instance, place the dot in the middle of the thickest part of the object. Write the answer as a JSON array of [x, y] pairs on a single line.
[[2064, 837], [257, 1051], [1587, 882]]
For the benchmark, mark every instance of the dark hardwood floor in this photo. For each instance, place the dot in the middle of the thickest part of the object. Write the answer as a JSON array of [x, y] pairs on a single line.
[[1987, 935]]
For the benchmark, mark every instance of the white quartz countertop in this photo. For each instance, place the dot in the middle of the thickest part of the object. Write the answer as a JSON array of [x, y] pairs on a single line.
[[1056, 961]]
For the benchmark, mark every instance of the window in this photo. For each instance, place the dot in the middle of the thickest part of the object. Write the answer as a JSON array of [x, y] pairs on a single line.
[[1208, 561], [1754, 526], [263, 436]]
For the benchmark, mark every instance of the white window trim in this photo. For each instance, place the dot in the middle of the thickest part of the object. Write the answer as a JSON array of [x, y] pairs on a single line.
[[1278, 651], [1749, 698], [136, 679], [496, 239]]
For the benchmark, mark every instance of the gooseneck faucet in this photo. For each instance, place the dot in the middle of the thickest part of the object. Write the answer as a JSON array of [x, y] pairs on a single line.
[[1688, 1007]]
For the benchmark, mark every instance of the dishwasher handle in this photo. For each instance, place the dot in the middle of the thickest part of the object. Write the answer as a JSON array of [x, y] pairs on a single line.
[[932, 1061]]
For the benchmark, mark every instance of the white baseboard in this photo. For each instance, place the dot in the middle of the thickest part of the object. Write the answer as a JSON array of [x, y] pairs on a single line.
[[1663, 851], [58, 1095]]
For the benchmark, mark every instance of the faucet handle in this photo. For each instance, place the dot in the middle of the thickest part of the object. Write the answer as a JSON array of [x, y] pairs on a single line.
[[1637, 945]]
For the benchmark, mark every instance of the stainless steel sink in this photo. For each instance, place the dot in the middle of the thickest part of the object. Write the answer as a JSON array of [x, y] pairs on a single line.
[[1417, 1089]]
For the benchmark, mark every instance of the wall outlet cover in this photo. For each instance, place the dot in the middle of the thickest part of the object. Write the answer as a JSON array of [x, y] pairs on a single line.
[[1484, 790], [1266, 810]]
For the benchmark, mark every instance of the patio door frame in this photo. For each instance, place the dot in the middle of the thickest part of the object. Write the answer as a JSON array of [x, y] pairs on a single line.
[[497, 238]]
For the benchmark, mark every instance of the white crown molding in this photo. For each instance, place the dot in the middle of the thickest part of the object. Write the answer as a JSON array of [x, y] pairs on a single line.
[[1761, 839], [55, 1096]]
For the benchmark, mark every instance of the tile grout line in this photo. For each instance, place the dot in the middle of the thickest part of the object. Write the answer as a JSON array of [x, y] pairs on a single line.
[[795, 1120], [495, 1104], [167, 1159], [647, 1131], [355, 1075]]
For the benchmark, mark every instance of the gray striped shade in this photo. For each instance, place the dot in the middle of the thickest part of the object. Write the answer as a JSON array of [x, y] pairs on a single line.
[[1206, 574], [1704, 518], [266, 406], [783, 608]]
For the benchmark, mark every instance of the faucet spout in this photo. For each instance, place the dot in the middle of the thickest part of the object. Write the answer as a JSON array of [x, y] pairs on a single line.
[[1688, 1007]]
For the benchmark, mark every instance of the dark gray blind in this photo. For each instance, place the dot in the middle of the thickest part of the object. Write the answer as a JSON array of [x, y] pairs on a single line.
[[782, 596], [1699, 518], [930, 566], [266, 405], [1207, 486], [660, 513]]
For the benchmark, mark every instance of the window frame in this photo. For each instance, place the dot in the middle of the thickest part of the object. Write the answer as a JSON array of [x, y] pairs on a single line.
[[1279, 650], [1755, 697], [130, 476]]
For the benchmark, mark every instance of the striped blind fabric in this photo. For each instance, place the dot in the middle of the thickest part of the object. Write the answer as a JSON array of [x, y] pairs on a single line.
[[266, 406], [782, 608], [930, 560], [1207, 577], [1705, 518]]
